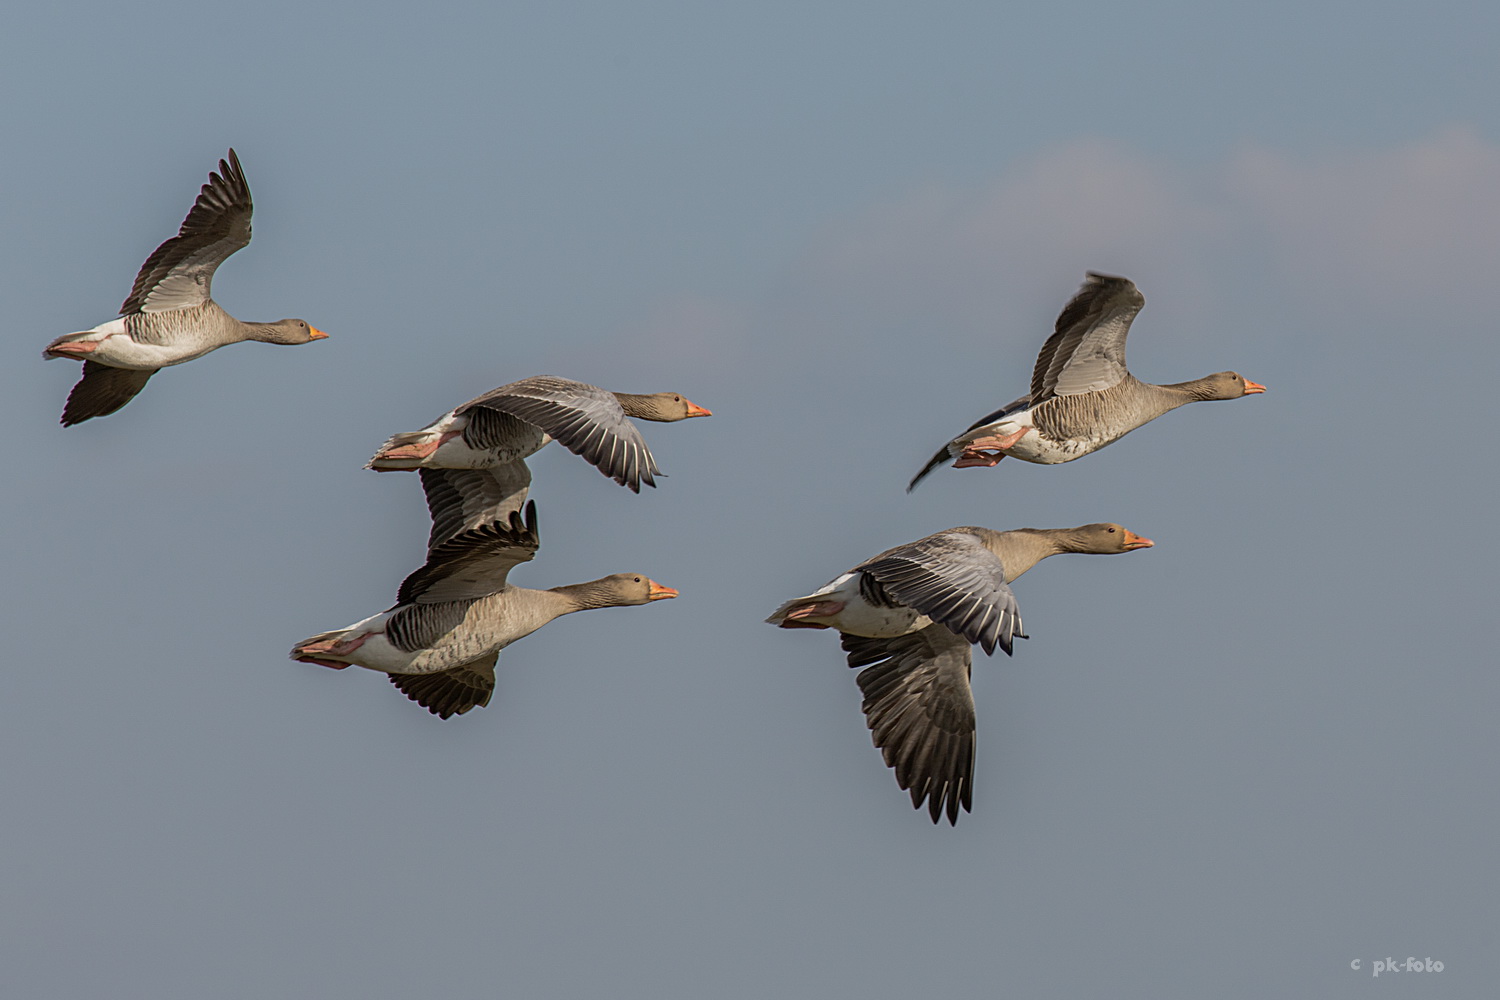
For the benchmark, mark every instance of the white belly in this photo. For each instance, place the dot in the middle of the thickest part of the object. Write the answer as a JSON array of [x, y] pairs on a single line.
[[1032, 447], [376, 652], [455, 454], [859, 617], [1044, 451], [118, 350]]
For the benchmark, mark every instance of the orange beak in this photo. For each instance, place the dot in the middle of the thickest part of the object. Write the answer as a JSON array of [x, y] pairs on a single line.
[[1134, 541], [1253, 387], [316, 334], [694, 410], [658, 592]]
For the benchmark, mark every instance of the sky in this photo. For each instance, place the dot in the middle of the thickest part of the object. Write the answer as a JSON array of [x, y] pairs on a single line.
[[1231, 765]]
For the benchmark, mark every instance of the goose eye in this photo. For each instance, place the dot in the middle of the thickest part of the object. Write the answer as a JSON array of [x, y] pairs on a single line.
[[1111, 531], [637, 579]]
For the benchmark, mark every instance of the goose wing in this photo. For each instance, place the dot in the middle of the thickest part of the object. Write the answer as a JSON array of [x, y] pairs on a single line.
[[1086, 351], [178, 273], [454, 691], [586, 419], [473, 563], [102, 391], [463, 499], [952, 578], [921, 713]]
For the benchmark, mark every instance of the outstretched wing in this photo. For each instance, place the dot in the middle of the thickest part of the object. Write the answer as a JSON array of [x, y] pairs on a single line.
[[921, 713], [952, 578], [1086, 351], [462, 499], [102, 391], [453, 691], [586, 419], [473, 563], [178, 273]]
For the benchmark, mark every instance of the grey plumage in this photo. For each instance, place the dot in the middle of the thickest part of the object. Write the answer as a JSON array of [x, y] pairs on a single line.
[[1086, 351], [178, 274], [451, 692], [920, 710], [102, 390], [508, 424], [462, 499], [452, 616], [169, 317], [414, 627], [1083, 396], [954, 578], [587, 420], [917, 699], [473, 563]]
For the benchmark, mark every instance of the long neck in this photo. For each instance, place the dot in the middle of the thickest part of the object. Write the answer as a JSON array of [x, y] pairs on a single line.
[[1196, 391], [643, 407], [584, 596], [1023, 548], [269, 333]]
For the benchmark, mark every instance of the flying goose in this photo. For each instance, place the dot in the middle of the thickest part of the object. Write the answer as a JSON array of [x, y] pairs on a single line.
[[515, 421], [169, 317], [909, 617], [440, 641], [1082, 396]]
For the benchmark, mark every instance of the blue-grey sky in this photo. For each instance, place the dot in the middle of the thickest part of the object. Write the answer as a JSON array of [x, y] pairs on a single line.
[[1226, 766]]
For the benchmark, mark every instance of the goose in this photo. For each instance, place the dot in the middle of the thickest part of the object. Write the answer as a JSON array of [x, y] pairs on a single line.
[[1082, 396], [169, 317], [909, 617], [515, 421], [441, 639]]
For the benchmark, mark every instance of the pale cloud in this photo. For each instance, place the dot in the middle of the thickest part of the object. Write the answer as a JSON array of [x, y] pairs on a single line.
[[1420, 222], [1323, 232], [1375, 245], [965, 257]]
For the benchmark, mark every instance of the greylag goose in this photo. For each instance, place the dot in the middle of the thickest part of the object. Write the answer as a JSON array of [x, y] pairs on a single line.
[[909, 616], [1082, 396], [169, 317], [515, 421], [440, 641]]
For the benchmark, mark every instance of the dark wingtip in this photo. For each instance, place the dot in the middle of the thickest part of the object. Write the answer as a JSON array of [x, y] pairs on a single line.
[[531, 521], [944, 802], [932, 463]]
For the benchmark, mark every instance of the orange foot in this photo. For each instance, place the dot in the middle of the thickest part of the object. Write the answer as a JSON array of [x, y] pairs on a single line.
[[975, 453], [971, 458], [335, 664], [314, 652], [73, 349], [821, 609], [415, 451]]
